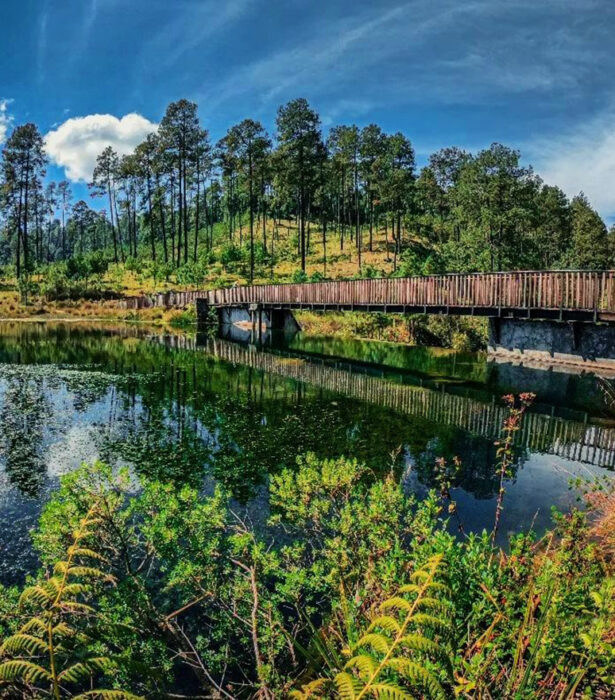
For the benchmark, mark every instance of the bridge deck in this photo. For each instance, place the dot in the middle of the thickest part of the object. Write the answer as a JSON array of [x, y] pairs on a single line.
[[566, 295], [560, 295]]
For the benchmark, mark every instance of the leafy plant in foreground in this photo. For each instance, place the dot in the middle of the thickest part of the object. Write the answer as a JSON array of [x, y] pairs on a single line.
[[53, 654], [398, 652]]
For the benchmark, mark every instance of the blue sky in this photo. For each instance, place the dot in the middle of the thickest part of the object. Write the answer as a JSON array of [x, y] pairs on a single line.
[[536, 75]]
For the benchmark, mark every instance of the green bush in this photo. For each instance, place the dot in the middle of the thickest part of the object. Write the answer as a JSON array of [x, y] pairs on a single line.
[[299, 276], [73, 279], [345, 563], [419, 261], [192, 273], [230, 254]]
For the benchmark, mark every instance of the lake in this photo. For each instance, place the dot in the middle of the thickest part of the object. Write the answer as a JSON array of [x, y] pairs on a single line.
[[195, 409]]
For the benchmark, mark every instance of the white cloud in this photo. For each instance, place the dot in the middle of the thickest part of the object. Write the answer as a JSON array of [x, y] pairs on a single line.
[[5, 119], [582, 160], [76, 143]]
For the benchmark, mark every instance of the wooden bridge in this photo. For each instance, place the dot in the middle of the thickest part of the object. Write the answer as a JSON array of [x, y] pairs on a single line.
[[563, 295], [576, 309], [559, 295]]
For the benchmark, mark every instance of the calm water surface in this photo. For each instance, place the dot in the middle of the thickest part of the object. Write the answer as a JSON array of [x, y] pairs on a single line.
[[194, 409]]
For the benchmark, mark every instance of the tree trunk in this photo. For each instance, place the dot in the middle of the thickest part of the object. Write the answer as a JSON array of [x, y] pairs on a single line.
[[151, 217], [197, 211], [115, 258], [251, 207]]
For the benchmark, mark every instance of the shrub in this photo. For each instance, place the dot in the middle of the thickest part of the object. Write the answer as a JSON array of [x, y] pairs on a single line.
[[230, 254], [299, 276], [353, 588], [317, 276]]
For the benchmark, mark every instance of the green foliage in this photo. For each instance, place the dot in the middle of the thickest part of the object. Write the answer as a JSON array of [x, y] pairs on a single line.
[[178, 204], [590, 247], [55, 651], [400, 650], [351, 582], [420, 261], [184, 319], [192, 273], [78, 277], [299, 276]]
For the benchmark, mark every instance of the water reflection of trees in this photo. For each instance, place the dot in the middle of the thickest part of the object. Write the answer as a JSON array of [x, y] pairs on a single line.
[[25, 413], [477, 473], [244, 424]]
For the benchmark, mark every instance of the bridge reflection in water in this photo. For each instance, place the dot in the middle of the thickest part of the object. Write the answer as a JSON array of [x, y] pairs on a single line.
[[542, 431]]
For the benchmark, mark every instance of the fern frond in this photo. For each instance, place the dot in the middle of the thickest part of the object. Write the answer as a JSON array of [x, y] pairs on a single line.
[[309, 690], [347, 686], [75, 606], [431, 622], [61, 600], [378, 642], [390, 691], [385, 622], [434, 604], [23, 643], [107, 695], [88, 571], [417, 675], [433, 585], [420, 575], [22, 670], [35, 594], [82, 670], [75, 589], [62, 629], [52, 585], [34, 624], [388, 661], [416, 642], [396, 602], [90, 553], [364, 663]]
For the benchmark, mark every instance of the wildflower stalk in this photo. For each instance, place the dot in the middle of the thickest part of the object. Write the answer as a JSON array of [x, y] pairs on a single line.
[[444, 476], [504, 453]]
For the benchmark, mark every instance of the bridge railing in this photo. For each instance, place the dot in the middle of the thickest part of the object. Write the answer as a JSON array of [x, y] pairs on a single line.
[[570, 290]]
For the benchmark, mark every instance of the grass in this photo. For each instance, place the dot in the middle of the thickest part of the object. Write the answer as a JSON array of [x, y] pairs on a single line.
[[11, 309]]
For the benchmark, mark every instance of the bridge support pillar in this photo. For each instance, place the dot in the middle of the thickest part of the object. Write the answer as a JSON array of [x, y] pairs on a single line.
[[253, 321], [589, 345]]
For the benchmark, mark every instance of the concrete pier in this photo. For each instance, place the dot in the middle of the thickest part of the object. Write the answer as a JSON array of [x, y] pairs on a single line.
[[578, 343], [253, 320]]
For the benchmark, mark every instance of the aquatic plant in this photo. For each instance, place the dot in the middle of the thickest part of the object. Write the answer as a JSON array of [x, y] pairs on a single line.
[[512, 424]]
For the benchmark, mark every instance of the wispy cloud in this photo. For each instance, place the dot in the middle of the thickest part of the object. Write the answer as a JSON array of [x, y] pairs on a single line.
[[41, 48], [89, 18], [194, 22], [306, 62], [428, 51], [582, 159]]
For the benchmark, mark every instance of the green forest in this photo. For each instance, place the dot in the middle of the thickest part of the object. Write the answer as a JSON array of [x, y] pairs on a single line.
[[287, 205]]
